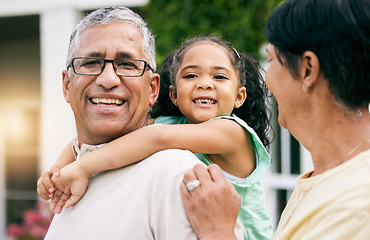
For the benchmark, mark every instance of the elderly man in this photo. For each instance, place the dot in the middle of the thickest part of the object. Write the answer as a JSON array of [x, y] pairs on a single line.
[[110, 83]]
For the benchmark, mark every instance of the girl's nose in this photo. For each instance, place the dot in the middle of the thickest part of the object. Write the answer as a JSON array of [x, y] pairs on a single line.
[[204, 84]]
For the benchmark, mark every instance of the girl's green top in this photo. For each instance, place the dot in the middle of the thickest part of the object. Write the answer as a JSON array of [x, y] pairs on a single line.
[[253, 213]]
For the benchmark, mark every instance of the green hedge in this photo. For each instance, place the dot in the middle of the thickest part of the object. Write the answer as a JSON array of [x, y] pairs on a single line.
[[241, 22]]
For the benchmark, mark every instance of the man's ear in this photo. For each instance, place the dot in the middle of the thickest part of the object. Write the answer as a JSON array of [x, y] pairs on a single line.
[[310, 69], [154, 89], [173, 94], [240, 97], [66, 85]]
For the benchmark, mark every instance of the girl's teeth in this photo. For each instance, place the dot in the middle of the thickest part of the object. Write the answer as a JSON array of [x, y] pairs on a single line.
[[205, 101]]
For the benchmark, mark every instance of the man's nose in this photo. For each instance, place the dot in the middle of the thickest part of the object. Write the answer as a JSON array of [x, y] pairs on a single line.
[[108, 78]]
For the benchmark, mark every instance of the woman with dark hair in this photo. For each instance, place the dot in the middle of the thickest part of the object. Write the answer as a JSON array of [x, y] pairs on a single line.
[[319, 58]]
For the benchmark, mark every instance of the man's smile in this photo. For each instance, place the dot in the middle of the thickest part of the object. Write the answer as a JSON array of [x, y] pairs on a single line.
[[107, 102]]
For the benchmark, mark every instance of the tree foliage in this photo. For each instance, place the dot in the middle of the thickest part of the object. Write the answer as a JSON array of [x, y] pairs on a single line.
[[240, 22]]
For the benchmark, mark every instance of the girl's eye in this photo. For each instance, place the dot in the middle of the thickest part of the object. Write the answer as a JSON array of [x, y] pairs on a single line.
[[190, 76], [220, 77]]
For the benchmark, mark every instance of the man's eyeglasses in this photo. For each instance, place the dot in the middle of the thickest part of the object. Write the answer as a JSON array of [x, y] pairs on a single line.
[[124, 67]]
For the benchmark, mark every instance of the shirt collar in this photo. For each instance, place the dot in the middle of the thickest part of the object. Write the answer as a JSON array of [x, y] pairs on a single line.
[[85, 148]]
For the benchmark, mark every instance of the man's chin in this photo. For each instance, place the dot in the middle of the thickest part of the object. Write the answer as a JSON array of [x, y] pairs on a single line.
[[101, 133]]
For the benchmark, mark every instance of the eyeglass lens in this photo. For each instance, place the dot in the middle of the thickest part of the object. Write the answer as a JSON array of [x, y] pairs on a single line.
[[95, 66]]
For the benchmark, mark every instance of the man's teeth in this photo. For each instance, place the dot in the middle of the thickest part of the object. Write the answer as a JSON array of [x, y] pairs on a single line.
[[205, 101], [107, 101]]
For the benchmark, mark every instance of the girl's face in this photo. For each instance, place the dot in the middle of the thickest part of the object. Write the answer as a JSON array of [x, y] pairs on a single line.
[[207, 85]]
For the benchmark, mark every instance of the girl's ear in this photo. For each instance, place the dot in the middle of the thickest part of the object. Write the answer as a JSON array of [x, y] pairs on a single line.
[[173, 94], [240, 97]]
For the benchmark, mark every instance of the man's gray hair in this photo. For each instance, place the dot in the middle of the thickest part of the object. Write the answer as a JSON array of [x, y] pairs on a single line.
[[109, 15]]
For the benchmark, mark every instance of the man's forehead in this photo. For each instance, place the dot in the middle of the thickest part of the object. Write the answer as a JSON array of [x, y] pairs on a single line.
[[118, 39]]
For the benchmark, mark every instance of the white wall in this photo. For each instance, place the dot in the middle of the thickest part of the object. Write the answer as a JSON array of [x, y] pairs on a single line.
[[57, 124]]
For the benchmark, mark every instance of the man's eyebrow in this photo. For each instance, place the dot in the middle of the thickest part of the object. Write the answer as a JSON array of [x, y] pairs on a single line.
[[118, 55], [94, 54], [124, 55]]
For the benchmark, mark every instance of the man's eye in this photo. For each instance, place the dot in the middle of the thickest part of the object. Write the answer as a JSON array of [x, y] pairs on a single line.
[[90, 64], [126, 65]]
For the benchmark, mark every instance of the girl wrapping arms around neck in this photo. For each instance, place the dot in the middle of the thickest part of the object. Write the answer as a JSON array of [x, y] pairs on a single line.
[[206, 79]]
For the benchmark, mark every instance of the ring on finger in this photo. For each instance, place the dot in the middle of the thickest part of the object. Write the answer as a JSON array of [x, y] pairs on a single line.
[[192, 185]]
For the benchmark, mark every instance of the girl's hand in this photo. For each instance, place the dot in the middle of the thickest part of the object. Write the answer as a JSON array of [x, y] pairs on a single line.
[[213, 207], [45, 187], [70, 186]]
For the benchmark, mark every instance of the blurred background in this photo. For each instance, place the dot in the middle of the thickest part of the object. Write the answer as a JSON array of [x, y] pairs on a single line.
[[36, 123]]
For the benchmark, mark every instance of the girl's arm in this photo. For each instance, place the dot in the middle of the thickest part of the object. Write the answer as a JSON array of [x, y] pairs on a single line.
[[45, 187], [66, 157], [223, 137]]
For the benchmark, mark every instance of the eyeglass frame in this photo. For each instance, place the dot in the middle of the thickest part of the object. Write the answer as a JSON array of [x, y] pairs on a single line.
[[146, 65]]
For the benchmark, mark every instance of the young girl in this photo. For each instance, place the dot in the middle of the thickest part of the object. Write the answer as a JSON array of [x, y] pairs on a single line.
[[206, 79]]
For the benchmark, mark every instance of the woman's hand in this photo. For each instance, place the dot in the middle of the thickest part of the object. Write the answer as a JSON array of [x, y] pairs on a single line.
[[213, 206]]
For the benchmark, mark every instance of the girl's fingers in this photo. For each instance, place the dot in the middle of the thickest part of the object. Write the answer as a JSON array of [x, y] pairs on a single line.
[[55, 200], [58, 201], [42, 190], [46, 179], [55, 171]]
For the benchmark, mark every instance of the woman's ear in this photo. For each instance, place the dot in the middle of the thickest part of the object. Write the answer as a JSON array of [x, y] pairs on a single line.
[[310, 69], [240, 97], [173, 94]]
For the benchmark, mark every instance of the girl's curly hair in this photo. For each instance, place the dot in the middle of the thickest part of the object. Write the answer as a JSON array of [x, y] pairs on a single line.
[[253, 111]]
